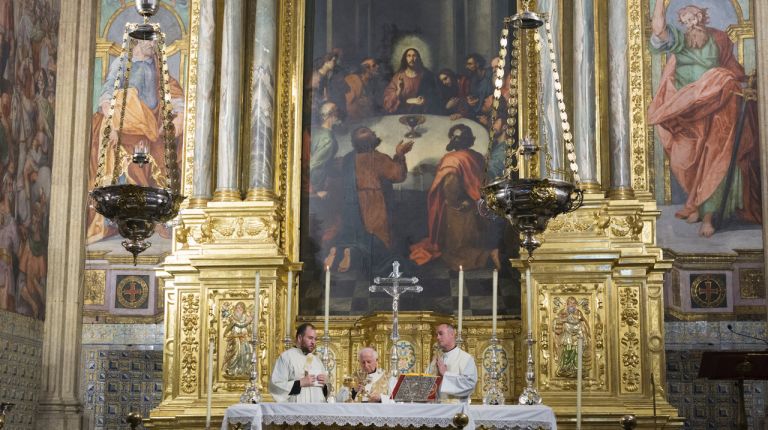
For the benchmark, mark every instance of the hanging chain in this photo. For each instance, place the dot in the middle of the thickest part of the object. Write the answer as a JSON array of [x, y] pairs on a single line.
[[116, 168], [169, 133], [512, 155], [567, 135], [108, 119], [510, 158]]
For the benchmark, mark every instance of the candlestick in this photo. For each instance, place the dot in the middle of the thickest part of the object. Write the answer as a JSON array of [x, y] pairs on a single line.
[[256, 299], [529, 297], [288, 301], [495, 300], [578, 381], [461, 302], [327, 296]]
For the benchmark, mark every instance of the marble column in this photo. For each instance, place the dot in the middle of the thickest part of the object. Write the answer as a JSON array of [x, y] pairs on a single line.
[[261, 174], [230, 101], [618, 93], [480, 30], [584, 93], [446, 45], [550, 128], [206, 61], [59, 400]]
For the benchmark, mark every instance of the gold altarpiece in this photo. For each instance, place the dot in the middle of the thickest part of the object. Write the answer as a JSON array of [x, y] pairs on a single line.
[[602, 259]]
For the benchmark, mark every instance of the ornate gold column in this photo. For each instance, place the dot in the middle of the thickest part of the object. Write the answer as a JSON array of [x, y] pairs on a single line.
[[217, 250], [600, 271]]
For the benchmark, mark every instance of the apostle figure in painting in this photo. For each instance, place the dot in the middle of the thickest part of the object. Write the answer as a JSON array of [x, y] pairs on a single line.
[[455, 366], [323, 149], [696, 111], [480, 85], [454, 90], [368, 178], [299, 376], [373, 383], [412, 88], [457, 232], [363, 88]]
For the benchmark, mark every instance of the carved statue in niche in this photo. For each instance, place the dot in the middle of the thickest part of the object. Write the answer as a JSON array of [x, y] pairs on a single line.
[[237, 333], [568, 326]]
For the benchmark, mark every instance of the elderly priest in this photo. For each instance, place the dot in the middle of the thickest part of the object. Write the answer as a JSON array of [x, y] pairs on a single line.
[[373, 382], [299, 376], [455, 366]]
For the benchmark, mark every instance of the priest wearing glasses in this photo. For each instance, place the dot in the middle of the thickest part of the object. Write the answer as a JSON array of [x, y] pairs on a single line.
[[299, 375]]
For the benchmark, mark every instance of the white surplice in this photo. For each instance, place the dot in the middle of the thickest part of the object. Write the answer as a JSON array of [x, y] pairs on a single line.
[[291, 366], [459, 379]]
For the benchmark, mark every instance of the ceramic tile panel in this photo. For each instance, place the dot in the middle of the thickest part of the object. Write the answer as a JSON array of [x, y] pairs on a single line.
[[20, 367]]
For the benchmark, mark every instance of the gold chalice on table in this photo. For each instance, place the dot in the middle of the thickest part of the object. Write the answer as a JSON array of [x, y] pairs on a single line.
[[412, 121]]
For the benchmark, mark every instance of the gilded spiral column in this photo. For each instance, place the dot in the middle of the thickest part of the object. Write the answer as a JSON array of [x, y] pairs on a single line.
[[584, 92], [621, 174], [262, 79], [230, 100], [206, 60]]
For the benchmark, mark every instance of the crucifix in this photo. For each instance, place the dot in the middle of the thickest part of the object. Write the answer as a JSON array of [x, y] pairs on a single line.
[[393, 285]]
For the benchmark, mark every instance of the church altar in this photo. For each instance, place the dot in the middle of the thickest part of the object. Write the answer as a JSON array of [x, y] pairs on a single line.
[[391, 415]]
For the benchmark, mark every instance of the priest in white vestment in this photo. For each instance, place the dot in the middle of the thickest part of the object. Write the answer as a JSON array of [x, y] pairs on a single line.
[[374, 383], [455, 366], [299, 375]]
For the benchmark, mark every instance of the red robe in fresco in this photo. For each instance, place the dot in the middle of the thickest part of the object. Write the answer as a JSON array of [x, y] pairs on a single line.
[[697, 125]]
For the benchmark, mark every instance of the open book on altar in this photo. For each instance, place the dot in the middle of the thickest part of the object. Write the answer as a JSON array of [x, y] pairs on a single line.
[[416, 388]]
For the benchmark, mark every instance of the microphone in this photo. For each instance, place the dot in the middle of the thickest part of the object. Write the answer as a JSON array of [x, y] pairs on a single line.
[[730, 328]]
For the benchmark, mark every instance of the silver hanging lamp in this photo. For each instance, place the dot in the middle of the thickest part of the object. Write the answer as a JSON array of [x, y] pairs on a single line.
[[137, 209]]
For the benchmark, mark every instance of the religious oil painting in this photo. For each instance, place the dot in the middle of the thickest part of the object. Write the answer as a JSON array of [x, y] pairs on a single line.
[[397, 105], [142, 124], [28, 52], [703, 114]]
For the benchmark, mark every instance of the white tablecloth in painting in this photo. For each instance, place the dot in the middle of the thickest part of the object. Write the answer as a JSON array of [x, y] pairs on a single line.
[[389, 415]]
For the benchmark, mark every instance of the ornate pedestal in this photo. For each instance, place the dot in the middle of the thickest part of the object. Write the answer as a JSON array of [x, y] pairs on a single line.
[[600, 273]]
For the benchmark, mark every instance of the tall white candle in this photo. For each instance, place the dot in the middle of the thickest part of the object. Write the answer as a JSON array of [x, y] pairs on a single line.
[[327, 298], [495, 299], [578, 382], [461, 298], [211, 346], [256, 300], [529, 297], [288, 302]]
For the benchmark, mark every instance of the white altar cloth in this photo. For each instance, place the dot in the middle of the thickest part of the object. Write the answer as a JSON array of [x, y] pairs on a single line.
[[390, 415]]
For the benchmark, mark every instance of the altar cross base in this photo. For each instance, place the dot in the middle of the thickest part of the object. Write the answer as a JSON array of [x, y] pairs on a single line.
[[394, 285]]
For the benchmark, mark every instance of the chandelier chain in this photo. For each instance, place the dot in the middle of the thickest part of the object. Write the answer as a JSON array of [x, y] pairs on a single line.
[[110, 114], [169, 134], [125, 80], [566, 127]]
